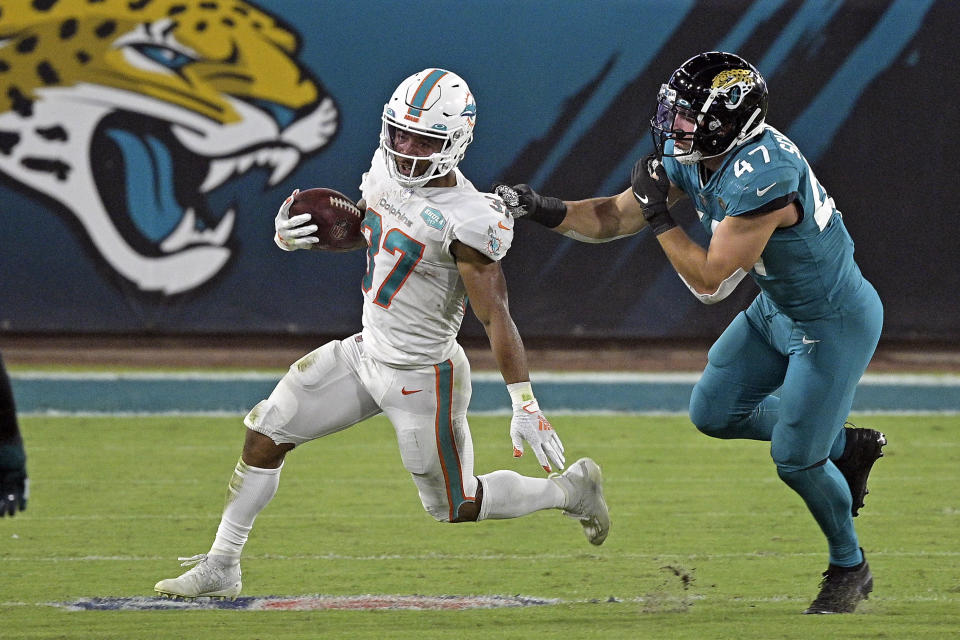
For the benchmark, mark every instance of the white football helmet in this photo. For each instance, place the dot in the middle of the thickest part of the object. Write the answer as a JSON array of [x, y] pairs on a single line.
[[434, 103]]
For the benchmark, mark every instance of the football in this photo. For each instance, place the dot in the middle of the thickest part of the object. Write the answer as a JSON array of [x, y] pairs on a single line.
[[337, 218]]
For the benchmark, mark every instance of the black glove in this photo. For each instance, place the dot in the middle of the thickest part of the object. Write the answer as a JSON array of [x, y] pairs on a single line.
[[522, 201], [650, 187], [13, 479]]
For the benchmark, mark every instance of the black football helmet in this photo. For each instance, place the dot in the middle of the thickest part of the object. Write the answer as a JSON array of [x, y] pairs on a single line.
[[712, 103]]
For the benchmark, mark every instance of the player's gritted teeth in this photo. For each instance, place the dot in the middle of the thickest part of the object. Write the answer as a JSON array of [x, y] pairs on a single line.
[[414, 146]]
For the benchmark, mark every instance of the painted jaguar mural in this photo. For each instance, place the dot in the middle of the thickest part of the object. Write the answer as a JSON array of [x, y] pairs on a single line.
[[127, 114]]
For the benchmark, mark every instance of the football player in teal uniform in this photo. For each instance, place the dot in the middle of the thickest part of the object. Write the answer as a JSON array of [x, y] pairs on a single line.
[[814, 326]]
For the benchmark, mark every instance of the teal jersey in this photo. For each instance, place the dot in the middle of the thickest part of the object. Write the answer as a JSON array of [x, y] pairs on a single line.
[[806, 270]]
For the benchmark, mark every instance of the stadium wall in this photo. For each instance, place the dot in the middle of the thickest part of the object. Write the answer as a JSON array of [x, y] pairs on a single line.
[[130, 209]]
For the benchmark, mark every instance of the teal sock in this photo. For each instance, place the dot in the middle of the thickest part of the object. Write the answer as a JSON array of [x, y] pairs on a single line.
[[825, 491]]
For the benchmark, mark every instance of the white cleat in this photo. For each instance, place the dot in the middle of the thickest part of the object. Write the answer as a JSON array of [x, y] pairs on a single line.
[[582, 483], [210, 577]]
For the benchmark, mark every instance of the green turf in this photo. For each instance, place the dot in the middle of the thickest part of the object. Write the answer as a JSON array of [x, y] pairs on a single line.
[[706, 541]]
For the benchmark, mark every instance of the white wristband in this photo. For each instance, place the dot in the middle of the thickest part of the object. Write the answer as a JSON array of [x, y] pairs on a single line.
[[520, 392]]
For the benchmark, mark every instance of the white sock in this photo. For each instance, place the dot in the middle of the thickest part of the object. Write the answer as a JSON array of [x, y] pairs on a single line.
[[249, 491], [507, 494]]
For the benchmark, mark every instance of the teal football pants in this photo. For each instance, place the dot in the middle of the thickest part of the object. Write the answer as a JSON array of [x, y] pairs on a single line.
[[816, 365]]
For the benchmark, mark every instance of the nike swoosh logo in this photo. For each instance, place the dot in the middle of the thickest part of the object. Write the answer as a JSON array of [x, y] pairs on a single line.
[[529, 404], [405, 392], [807, 340], [760, 192], [643, 199], [501, 225]]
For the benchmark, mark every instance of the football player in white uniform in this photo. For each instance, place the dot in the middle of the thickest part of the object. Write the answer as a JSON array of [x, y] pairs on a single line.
[[434, 241]]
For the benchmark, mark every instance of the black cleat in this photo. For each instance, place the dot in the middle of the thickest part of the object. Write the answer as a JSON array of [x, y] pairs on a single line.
[[863, 448], [842, 588]]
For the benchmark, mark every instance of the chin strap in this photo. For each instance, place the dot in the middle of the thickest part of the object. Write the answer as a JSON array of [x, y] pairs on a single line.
[[749, 130]]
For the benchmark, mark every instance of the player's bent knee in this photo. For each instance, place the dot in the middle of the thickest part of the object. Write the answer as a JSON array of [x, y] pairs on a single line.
[[275, 412], [706, 417], [468, 512], [711, 428], [792, 457], [788, 471], [261, 451]]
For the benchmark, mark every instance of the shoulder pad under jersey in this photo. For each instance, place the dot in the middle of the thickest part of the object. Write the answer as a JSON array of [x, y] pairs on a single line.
[[757, 177], [480, 221]]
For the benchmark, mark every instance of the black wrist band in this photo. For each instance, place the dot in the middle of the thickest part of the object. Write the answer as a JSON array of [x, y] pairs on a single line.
[[550, 212], [659, 219]]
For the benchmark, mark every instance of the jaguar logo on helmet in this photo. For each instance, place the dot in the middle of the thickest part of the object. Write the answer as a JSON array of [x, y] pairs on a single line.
[[735, 84]]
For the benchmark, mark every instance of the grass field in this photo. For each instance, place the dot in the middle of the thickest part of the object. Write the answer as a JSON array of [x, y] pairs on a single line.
[[706, 541]]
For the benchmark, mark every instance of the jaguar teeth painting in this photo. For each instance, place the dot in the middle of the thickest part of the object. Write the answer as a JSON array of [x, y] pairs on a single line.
[[125, 116]]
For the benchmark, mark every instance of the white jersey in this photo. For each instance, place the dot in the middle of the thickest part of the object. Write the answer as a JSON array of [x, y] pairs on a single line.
[[414, 299]]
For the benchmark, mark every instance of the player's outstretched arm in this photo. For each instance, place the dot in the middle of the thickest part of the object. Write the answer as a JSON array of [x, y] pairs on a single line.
[[487, 290], [591, 220]]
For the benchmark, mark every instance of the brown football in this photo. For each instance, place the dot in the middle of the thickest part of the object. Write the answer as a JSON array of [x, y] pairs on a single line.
[[337, 218]]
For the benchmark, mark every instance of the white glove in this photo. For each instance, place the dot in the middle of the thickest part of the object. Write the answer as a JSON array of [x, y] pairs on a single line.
[[293, 233], [529, 423]]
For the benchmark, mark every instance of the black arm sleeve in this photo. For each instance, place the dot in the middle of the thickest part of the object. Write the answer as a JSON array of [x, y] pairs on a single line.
[[773, 205]]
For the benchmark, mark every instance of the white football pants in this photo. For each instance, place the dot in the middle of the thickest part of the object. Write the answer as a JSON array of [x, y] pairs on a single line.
[[337, 386]]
